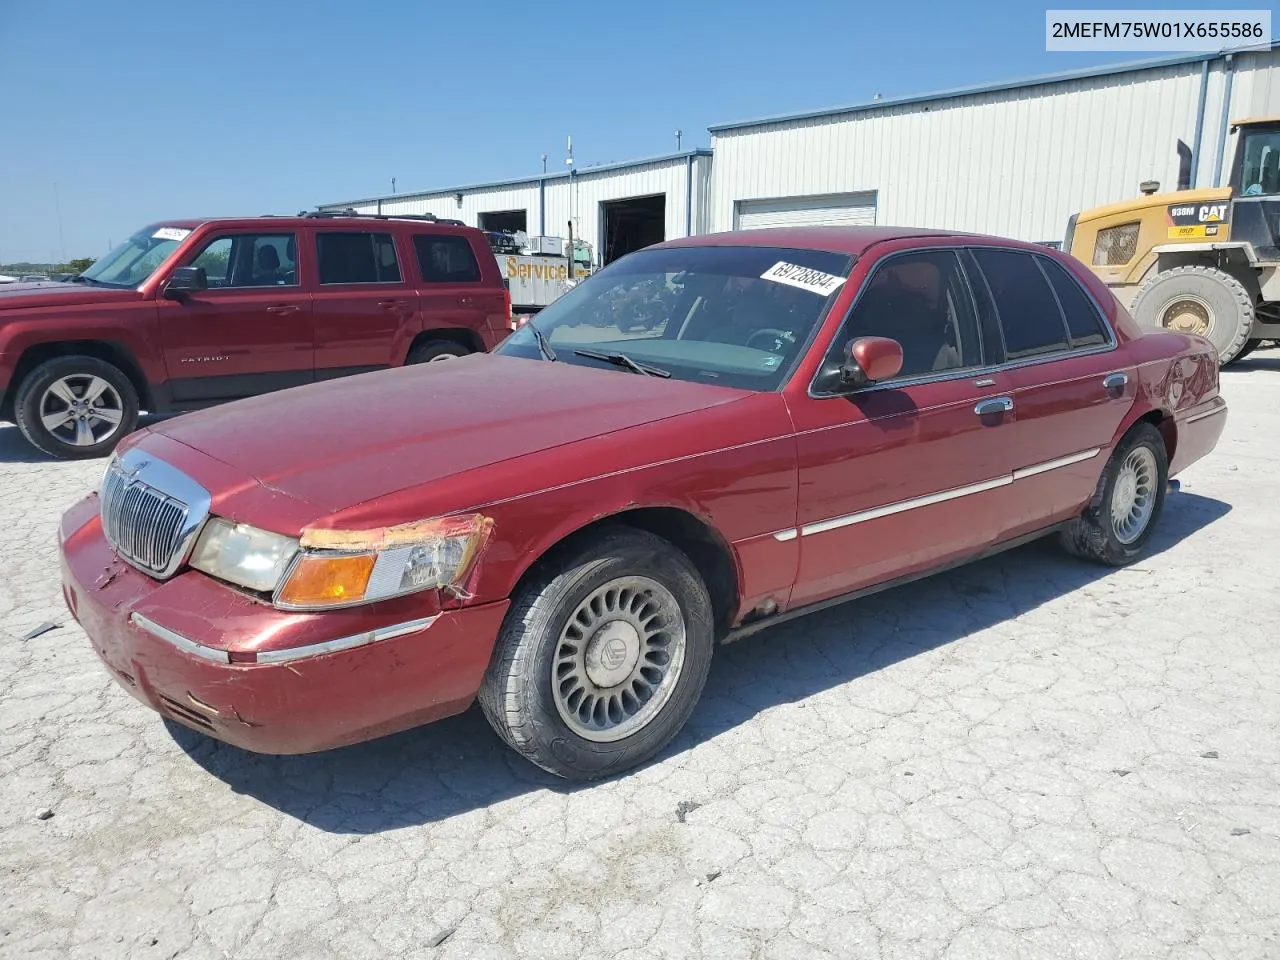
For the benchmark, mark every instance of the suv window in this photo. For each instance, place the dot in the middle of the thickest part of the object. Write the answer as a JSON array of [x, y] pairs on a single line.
[[1083, 322], [357, 257], [250, 260], [446, 260], [922, 301], [1028, 311]]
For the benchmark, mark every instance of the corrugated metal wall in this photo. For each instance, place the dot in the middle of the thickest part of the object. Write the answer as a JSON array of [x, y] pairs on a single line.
[[445, 204], [1015, 162], [581, 197], [578, 197]]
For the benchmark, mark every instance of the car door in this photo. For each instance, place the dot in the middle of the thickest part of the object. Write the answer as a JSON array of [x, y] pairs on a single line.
[[452, 290], [1071, 385], [366, 312], [909, 473], [250, 331]]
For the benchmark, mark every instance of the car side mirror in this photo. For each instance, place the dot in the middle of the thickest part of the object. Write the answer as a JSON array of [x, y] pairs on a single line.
[[186, 280], [869, 359]]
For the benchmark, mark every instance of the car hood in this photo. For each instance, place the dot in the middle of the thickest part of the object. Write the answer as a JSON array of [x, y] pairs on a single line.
[[17, 296], [347, 441]]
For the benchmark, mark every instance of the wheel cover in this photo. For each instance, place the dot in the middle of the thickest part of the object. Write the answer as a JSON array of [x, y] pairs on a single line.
[[1133, 498], [618, 659], [441, 356], [81, 409], [1187, 314]]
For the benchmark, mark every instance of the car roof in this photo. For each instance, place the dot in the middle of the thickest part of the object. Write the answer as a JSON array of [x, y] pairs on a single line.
[[852, 240], [312, 221]]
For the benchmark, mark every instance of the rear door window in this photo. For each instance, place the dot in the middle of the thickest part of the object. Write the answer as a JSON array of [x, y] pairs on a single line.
[[1083, 321], [357, 257], [1025, 305], [446, 259]]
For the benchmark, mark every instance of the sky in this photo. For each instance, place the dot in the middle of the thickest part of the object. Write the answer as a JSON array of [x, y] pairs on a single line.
[[116, 115]]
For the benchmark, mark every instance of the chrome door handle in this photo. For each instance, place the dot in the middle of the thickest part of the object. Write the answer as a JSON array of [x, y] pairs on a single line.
[[389, 304], [1115, 381], [994, 405], [283, 308]]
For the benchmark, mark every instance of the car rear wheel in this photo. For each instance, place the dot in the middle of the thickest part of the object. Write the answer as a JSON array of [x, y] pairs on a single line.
[[75, 407], [434, 351], [1198, 300], [1127, 503], [602, 658]]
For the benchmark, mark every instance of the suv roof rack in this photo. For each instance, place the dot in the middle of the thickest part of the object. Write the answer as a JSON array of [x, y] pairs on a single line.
[[349, 212]]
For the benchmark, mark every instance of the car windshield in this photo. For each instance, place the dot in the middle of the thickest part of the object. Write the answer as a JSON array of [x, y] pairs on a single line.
[[735, 315], [137, 258]]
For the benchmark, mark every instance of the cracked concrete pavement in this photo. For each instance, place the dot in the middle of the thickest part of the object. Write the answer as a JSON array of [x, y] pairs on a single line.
[[1025, 758]]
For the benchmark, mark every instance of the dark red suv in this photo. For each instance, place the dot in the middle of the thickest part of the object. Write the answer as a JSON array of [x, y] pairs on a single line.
[[189, 313]]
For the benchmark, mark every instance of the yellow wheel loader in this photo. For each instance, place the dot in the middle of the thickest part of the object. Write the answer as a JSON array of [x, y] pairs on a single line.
[[1202, 261]]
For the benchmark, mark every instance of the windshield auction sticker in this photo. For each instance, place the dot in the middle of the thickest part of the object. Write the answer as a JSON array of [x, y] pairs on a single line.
[[806, 278], [171, 233]]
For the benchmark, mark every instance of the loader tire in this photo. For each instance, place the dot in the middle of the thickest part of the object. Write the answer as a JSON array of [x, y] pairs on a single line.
[[1199, 300]]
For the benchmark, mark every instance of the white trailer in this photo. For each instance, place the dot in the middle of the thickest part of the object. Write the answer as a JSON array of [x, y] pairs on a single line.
[[536, 269]]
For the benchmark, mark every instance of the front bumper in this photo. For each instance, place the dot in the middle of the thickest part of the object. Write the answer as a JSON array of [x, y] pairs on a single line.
[[267, 680]]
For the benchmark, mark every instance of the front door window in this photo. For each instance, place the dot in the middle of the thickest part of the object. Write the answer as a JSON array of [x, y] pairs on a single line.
[[250, 260]]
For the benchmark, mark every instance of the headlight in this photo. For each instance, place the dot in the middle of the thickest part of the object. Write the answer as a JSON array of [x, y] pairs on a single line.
[[341, 568], [243, 554]]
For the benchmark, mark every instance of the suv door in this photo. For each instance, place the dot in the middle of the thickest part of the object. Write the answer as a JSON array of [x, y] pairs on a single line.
[[453, 291], [366, 314], [1071, 387], [250, 331], [907, 473]]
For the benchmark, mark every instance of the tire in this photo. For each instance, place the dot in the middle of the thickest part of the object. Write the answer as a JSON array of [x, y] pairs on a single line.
[[559, 626], [1249, 347], [432, 351], [1217, 306], [1096, 534], [56, 387]]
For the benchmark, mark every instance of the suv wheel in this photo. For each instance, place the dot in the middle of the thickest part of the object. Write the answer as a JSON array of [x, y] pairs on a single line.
[[433, 351], [600, 661], [1129, 498], [76, 407]]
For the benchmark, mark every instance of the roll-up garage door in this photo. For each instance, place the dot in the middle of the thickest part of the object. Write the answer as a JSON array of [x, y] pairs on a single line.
[[842, 209]]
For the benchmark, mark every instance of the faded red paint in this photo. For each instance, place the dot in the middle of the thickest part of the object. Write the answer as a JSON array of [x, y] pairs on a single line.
[[545, 449]]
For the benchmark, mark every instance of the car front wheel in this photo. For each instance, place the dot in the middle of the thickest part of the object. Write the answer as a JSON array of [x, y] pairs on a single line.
[[1127, 502], [76, 407], [602, 658]]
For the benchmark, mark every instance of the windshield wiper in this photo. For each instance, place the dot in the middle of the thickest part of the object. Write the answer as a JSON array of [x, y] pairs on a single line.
[[622, 360], [81, 278], [544, 348]]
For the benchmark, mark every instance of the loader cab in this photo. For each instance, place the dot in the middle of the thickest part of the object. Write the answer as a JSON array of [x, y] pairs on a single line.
[[1255, 187], [1255, 170]]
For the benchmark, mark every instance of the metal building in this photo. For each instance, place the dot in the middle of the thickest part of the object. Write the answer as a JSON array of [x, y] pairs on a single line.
[[615, 208], [1015, 158]]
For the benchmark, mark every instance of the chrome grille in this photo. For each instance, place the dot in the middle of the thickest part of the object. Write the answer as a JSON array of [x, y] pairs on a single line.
[[150, 512]]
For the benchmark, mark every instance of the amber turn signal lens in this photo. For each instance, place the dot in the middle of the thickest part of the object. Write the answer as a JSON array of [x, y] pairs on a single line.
[[319, 581]]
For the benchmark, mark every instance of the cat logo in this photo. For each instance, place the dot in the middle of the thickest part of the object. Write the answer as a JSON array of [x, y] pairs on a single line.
[[1195, 221]]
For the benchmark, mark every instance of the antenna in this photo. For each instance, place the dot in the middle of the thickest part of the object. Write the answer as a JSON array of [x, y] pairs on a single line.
[[544, 163], [393, 184], [679, 134], [568, 162]]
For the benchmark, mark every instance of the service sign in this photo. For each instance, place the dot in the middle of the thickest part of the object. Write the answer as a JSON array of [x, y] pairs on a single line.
[[1198, 220]]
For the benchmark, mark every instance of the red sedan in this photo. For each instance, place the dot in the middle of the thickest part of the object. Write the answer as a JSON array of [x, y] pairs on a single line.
[[707, 437]]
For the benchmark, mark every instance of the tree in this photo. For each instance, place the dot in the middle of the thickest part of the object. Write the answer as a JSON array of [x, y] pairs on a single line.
[[80, 265]]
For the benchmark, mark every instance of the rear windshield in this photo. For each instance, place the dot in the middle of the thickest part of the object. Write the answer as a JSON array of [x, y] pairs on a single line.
[[736, 316]]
